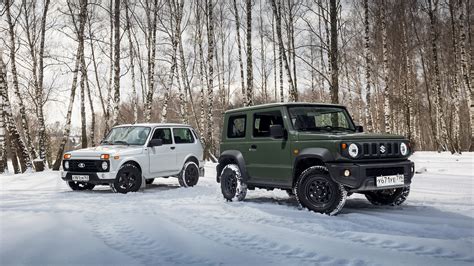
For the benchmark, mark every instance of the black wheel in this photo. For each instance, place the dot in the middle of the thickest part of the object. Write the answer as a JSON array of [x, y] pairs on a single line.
[[129, 179], [74, 185], [290, 192], [393, 197], [316, 191], [149, 181], [232, 185], [189, 176]]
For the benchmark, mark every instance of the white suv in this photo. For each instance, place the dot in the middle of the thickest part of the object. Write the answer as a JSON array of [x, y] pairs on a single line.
[[132, 155]]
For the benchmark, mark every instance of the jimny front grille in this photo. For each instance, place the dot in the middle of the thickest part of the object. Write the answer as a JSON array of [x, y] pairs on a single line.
[[389, 149]]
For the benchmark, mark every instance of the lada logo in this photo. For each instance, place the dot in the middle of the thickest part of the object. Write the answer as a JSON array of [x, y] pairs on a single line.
[[81, 165], [382, 149]]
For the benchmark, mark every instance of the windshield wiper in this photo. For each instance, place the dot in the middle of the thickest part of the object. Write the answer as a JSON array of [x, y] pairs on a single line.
[[121, 142], [106, 142]]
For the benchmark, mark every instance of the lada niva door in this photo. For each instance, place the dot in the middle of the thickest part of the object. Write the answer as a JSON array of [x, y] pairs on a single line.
[[162, 158]]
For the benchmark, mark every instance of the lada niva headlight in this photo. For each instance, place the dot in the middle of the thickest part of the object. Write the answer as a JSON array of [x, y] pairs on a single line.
[[403, 149], [105, 165], [353, 150], [66, 165]]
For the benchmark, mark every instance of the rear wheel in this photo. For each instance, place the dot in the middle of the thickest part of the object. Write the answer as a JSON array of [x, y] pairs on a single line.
[[232, 185], [129, 179], [74, 185], [393, 197], [189, 176], [316, 191]]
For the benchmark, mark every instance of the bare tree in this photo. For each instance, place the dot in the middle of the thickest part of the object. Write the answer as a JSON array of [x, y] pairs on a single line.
[[249, 98], [334, 52], [368, 115], [386, 91], [239, 48], [116, 62]]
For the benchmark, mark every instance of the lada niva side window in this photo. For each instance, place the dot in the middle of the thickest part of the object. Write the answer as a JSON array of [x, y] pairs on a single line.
[[164, 134], [182, 135]]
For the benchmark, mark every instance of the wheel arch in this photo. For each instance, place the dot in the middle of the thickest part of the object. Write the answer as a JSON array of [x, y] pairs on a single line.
[[310, 157], [231, 157], [192, 158], [133, 162]]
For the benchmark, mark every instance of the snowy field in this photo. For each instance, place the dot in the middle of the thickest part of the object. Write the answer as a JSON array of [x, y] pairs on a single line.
[[42, 222]]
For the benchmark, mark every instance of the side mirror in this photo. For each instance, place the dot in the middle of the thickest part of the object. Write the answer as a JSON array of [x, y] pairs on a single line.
[[277, 131], [155, 142], [359, 129]]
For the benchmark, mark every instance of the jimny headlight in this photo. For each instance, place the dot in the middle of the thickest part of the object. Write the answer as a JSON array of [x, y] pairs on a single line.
[[403, 149], [353, 150], [66, 165], [105, 165]]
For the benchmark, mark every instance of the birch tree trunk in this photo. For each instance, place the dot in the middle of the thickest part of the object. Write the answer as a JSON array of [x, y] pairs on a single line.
[[210, 76], [202, 101], [151, 54], [456, 90], [334, 53], [116, 62], [17, 142], [368, 115], [132, 63], [386, 91], [441, 125], [3, 146], [239, 50], [79, 55], [248, 7], [16, 89]]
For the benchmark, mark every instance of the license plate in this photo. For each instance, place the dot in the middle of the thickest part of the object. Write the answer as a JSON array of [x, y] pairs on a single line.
[[80, 177], [390, 180]]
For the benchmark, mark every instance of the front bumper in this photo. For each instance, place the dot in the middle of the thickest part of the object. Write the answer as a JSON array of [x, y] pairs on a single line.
[[94, 178], [363, 175]]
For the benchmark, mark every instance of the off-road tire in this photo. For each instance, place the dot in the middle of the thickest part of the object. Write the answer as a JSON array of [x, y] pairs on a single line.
[[79, 186], [189, 175], [391, 197], [149, 181], [128, 179], [316, 191], [232, 185]]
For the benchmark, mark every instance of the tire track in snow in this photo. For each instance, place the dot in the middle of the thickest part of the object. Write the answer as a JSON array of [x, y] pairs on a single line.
[[255, 216], [145, 250]]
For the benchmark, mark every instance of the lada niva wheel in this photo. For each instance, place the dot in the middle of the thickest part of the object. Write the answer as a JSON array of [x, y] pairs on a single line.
[[316, 191], [74, 185], [128, 179], [392, 197], [189, 176], [232, 185]]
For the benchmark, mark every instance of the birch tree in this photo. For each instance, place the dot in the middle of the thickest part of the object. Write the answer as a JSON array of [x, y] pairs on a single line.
[[368, 89], [248, 8], [116, 62], [239, 49], [386, 90]]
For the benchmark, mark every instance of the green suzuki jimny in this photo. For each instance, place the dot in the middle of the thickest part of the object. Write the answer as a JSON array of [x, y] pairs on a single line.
[[313, 151]]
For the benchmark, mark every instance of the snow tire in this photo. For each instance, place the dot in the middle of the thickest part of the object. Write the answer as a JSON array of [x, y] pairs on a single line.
[[232, 184], [128, 179], [316, 191], [189, 176]]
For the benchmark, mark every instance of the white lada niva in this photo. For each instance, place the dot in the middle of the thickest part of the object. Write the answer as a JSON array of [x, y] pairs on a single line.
[[134, 155]]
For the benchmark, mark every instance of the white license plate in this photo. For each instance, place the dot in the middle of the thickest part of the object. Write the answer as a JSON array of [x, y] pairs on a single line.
[[80, 177], [390, 180]]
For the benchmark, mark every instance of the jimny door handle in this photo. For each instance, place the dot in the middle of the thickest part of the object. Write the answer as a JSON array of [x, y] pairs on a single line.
[[253, 147]]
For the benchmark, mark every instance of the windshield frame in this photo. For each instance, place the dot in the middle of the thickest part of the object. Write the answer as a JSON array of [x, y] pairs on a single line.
[[128, 126], [352, 126]]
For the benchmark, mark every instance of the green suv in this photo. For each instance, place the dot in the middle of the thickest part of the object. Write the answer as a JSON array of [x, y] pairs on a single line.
[[313, 151]]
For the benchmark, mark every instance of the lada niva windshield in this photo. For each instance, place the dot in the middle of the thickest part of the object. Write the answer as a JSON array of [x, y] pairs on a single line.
[[132, 135], [320, 118]]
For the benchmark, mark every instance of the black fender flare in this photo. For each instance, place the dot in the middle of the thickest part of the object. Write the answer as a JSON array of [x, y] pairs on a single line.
[[322, 154], [234, 156]]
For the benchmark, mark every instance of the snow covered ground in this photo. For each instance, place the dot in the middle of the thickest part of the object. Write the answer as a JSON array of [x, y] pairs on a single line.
[[43, 222]]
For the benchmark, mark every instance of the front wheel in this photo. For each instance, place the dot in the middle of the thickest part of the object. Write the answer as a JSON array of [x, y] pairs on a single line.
[[129, 179], [74, 185], [393, 197], [232, 185], [316, 191], [189, 176]]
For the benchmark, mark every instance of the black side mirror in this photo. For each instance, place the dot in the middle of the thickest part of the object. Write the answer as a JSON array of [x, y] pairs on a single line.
[[277, 131], [155, 142], [359, 129]]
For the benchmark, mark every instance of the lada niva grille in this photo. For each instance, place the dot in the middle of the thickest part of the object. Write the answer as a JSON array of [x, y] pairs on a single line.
[[390, 149], [373, 172], [86, 166]]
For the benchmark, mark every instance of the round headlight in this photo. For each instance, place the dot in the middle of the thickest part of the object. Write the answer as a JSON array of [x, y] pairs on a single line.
[[353, 150], [66, 165], [403, 149], [105, 165]]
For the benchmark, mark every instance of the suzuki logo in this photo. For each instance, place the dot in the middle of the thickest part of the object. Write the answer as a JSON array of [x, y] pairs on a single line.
[[81, 165], [382, 149]]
